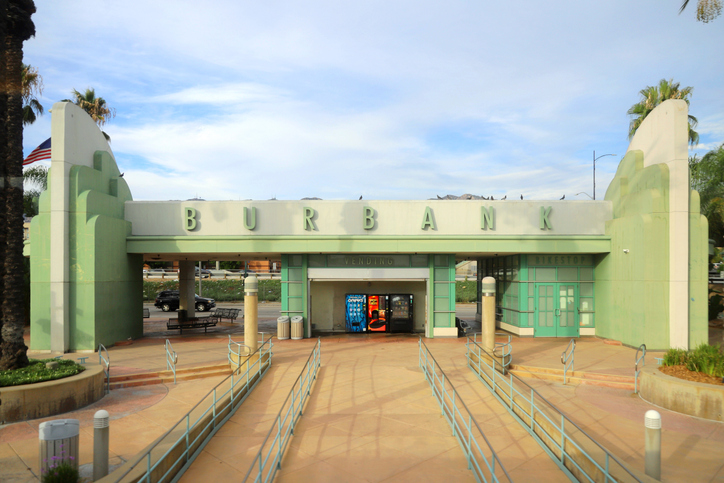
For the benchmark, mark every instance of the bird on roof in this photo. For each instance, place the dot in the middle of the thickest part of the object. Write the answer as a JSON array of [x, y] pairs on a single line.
[[504, 197], [563, 197]]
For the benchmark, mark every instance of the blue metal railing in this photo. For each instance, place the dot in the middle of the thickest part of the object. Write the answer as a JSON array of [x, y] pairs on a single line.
[[577, 454], [238, 351], [566, 356], [642, 360], [106, 363], [482, 460], [503, 350], [269, 458], [171, 359], [171, 454]]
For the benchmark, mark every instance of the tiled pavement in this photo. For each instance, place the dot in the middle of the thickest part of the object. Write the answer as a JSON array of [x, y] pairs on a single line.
[[371, 416]]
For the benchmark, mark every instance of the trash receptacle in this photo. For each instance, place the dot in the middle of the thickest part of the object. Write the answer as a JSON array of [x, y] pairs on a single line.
[[297, 327], [283, 327], [58, 443]]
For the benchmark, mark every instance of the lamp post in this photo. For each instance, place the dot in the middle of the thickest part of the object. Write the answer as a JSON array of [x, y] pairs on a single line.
[[594, 170]]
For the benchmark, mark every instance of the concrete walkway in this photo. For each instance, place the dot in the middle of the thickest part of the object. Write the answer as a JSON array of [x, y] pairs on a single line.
[[368, 385]]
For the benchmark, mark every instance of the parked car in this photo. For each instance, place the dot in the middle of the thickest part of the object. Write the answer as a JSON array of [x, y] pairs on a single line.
[[204, 272], [168, 300]]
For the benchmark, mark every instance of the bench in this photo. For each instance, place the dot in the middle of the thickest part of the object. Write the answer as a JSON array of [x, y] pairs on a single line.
[[192, 323], [146, 313], [231, 314]]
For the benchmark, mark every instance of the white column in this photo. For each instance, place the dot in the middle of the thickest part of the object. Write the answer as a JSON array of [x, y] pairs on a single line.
[[59, 232]]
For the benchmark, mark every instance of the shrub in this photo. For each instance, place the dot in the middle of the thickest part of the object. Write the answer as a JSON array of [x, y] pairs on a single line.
[[36, 371], [675, 357], [61, 471], [715, 306], [707, 359]]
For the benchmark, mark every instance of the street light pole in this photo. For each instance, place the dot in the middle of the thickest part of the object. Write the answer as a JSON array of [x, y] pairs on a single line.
[[594, 170]]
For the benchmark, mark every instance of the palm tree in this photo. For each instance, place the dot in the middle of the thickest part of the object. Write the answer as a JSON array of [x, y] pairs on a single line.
[[32, 84], [652, 96], [13, 351], [96, 107], [706, 10], [35, 181]]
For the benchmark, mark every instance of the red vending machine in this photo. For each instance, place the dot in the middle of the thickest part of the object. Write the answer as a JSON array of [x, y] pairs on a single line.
[[377, 313], [400, 313]]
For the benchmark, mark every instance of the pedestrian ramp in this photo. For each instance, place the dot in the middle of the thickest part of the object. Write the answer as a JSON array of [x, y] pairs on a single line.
[[370, 412]]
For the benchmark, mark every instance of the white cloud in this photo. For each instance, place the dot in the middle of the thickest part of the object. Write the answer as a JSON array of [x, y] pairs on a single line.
[[389, 99]]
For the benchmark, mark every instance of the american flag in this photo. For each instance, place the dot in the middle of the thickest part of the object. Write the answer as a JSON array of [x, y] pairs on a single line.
[[41, 152]]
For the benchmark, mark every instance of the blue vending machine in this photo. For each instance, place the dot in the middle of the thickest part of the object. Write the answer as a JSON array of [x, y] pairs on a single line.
[[355, 312]]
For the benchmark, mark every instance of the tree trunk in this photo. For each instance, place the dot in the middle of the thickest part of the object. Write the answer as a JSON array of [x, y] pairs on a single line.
[[13, 351], [3, 140]]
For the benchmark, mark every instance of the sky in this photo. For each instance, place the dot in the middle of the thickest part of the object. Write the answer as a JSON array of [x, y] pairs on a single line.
[[393, 100]]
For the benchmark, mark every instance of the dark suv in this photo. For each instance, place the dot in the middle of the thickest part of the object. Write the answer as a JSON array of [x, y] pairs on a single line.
[[168, 300]]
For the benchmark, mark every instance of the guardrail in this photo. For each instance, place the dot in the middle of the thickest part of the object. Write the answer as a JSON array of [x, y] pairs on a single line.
[[268, 460], [235, 356], [503, 350], [171, 359], [171, 454], [641, 359], [485, 467], [575, 452], [568, 355], [106, 363]]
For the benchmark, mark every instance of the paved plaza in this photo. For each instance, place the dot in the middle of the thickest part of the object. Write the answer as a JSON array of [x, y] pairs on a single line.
[[371, 416]]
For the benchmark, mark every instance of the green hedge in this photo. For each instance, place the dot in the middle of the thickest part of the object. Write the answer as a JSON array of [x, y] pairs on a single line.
[[269, 290], [219, 290], [466, 292]]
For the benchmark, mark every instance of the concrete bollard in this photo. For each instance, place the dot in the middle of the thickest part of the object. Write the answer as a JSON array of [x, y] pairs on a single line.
[[101, 433], [251, 312], [652, 421], [488, 315]]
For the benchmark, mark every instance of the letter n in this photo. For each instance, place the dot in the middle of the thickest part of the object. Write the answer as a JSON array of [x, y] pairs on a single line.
[[487, 218]]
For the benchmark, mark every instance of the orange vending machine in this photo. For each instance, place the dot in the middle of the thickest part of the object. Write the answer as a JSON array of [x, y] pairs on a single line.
[[377, 313]]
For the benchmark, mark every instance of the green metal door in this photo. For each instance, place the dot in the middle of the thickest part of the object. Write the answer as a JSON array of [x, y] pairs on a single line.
[[556, 312], [545, 310], [567, 313]]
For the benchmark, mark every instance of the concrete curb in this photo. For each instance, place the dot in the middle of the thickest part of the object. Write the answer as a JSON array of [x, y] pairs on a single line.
[[687, 397]]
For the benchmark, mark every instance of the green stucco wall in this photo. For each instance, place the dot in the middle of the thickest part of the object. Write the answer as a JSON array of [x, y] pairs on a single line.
[[105, 296], [632, 281]]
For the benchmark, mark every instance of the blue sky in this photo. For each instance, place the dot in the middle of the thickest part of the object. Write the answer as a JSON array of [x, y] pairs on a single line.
[[389, 100]]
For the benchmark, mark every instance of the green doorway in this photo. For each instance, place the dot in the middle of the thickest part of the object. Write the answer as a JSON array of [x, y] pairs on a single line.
[[556, 310]]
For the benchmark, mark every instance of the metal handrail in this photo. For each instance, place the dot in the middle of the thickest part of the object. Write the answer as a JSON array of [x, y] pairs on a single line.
[[178, 447], [641, 359], [247, 350], [546, 423], [171, 359], [106, 362], [568, 355], [504, 350], [463, 424], [283, 426]]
